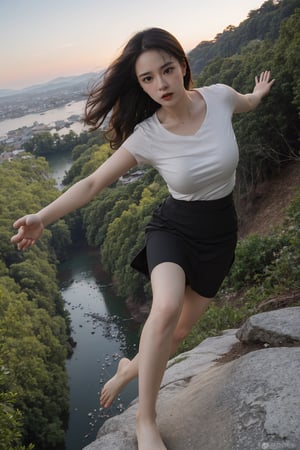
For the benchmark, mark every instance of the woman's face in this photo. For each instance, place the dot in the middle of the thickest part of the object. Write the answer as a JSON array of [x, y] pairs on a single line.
[[161, 76]]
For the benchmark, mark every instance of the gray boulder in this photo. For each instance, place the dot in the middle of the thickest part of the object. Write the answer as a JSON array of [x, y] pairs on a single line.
[[277, 327]]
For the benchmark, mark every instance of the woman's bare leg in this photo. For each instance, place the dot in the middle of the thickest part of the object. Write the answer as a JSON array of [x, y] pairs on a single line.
[[168, 287], [194, 307]]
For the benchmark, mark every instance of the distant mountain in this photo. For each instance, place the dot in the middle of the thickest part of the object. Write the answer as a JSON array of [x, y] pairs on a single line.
[[58, 83], [6, 92], [63, 82]]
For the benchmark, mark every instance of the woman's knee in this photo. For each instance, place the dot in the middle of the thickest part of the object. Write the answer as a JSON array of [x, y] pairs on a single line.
[[165, 313]]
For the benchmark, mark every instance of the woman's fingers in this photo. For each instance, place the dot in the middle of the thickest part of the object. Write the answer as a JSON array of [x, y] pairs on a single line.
[[265, 76], [18, 223], [29, 228], [20, 234]]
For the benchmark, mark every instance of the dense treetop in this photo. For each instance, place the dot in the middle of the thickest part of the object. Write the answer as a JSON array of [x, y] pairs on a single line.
[[33, 323], [261, 24]]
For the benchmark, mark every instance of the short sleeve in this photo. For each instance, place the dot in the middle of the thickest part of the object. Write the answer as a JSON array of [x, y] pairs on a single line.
[[229, 95], [138, 144]]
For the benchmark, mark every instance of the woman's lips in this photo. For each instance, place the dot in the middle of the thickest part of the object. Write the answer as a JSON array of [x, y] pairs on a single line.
[[167, 96]]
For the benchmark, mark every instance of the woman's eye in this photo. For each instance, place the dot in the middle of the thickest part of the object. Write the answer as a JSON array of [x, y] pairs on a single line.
[[147, 79], [169, 70]]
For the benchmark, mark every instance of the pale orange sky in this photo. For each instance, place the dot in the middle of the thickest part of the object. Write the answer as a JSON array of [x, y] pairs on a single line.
[[42, 40]]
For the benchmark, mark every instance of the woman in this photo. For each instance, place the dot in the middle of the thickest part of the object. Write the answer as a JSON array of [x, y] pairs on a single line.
[[154, 116]]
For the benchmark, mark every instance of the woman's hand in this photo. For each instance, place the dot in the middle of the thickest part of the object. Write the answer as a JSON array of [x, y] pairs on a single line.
[[30, 229], [263, 83], [248, 102]]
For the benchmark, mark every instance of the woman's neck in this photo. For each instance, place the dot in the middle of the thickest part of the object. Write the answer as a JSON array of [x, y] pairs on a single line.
[[182, 111], [186, 116]]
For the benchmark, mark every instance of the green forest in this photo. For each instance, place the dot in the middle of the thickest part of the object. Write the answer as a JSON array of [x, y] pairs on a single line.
[[34, 326]]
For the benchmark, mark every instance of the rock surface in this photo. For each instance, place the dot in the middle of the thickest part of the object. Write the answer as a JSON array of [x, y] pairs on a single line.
[[250, 403], [275, 327]]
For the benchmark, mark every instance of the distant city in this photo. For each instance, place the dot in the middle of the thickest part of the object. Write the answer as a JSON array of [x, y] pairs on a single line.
[[38, 100]]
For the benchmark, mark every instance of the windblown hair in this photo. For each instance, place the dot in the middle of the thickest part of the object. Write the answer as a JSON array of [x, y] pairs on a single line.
[[117, 99]]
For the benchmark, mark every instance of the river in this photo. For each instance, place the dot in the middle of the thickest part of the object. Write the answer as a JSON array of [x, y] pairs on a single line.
[[103, 331]]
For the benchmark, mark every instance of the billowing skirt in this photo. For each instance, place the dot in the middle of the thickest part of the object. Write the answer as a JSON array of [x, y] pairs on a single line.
[[199, 236]]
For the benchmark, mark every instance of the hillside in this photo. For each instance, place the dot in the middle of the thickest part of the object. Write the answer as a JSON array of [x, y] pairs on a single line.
[[267, 207], [263, 23]]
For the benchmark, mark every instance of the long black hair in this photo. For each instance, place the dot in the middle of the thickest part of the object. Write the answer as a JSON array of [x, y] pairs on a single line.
[[118, 98]]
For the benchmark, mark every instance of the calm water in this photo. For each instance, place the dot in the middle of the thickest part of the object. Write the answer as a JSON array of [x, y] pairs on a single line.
[[103, 331], [46, 118], [59, 165]]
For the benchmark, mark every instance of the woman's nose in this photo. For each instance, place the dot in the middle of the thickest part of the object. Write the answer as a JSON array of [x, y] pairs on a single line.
[[161, 83]]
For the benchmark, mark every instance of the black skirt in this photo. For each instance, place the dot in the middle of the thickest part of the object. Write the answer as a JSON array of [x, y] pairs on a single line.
[[199, 236]]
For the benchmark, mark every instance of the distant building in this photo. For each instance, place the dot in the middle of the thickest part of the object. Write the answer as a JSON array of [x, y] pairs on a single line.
[[39, 128], [59, 124], [18, 151], [126, 179], [6, 156]]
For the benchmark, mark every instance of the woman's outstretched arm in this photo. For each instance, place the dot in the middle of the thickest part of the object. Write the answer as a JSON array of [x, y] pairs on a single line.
[[30, 227]]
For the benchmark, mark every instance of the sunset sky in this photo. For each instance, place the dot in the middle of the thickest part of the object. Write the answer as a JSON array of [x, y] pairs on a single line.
[[42, 40]]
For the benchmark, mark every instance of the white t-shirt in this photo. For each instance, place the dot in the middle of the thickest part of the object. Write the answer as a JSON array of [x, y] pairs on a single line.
[[197, 167]]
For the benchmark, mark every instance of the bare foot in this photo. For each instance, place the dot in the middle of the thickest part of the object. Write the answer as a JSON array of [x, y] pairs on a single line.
[[114, 386], [148, 436]]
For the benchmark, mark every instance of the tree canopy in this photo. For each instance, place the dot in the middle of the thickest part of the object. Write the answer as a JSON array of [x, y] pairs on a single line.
[[33, 322], [261, 24]]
